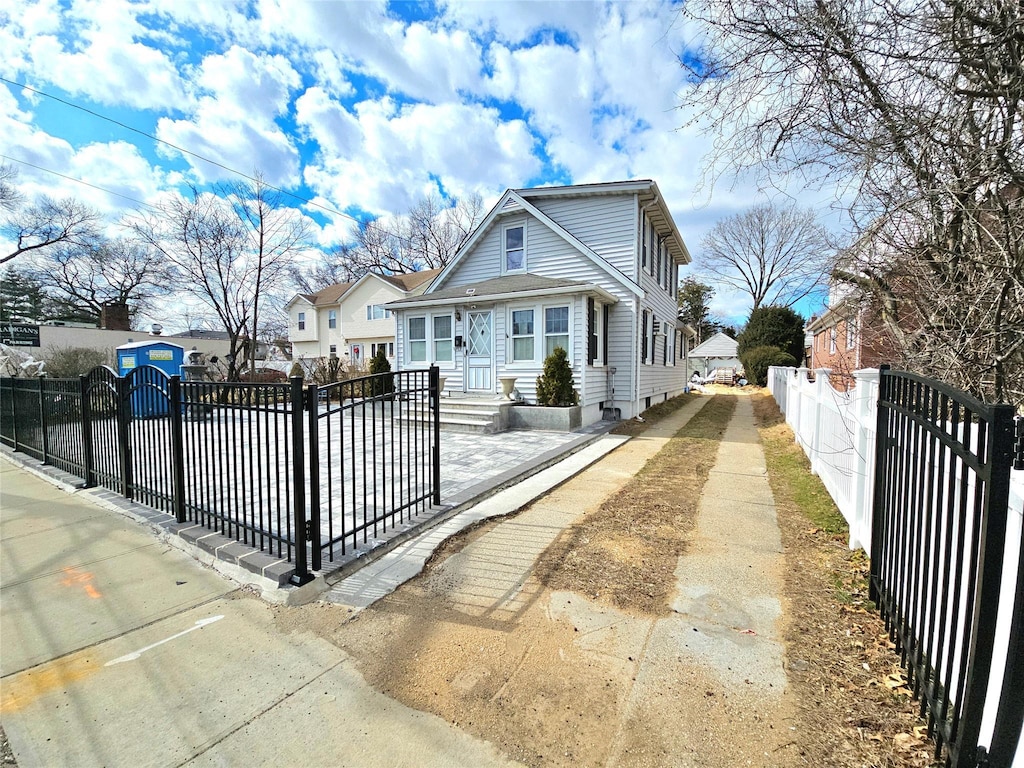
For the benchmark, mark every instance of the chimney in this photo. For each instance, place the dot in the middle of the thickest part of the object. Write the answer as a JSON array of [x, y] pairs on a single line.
[[114, 317]]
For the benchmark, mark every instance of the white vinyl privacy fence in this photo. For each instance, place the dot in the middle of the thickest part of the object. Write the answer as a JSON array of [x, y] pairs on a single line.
[[837, 431]]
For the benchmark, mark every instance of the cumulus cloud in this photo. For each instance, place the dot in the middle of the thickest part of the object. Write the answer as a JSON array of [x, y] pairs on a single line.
[[236, 124], [403, 151], [94, 49]]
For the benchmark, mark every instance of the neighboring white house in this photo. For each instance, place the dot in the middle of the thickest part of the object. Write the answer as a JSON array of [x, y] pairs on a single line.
[[591, 268], [349, 319], [720, 351]]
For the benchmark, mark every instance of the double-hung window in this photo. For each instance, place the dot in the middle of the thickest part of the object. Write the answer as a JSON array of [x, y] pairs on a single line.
[[429, 339], [832, 340], [851, 332], [522, 335], [556, 329], [514, 247], [332, 318], [596, 328], [443, 335], [417, 339], [302, 321]]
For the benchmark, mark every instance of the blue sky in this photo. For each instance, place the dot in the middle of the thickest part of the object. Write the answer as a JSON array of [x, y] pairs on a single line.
[[362, 107]]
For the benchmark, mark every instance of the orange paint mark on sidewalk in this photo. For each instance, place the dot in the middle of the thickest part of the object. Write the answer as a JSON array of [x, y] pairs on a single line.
[[74, 576], [22, 689]]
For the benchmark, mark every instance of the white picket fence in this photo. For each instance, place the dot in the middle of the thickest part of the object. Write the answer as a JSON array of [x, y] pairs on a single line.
[[837, 432]]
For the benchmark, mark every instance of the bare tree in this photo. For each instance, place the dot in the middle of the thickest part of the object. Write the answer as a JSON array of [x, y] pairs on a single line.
[[427, 237], [776, 255], [275, 235], [44, 222], [227, 252], [916, 109], [10, 198], [85, 276], [202, 241], [327, 270]]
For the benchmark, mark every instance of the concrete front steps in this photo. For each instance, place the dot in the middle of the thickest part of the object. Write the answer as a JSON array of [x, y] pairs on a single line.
[[479, 415]]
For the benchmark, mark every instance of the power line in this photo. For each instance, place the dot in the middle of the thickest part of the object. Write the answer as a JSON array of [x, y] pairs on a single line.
[[72, 178], [368, 224], [187, 152]]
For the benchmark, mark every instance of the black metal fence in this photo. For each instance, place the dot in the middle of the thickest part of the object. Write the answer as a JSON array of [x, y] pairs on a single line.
[[234, 458], [939, 525]]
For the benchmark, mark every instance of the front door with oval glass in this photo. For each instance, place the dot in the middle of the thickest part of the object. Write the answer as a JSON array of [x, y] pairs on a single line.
[[480, 352]]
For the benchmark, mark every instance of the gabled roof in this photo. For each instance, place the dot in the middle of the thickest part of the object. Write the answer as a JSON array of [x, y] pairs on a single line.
[[515, 202], [719, 345], [411, 280], [332, 294], [651, 200], [507, 287]]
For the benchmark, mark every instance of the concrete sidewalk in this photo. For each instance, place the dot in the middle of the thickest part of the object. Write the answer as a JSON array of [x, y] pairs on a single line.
[[117, 650]]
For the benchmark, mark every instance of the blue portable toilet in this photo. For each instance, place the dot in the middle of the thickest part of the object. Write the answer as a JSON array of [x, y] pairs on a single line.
[[146, 401]]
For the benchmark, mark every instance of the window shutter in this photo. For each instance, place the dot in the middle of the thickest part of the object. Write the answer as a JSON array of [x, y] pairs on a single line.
[[604, 331], [591, 335], [643, 343]]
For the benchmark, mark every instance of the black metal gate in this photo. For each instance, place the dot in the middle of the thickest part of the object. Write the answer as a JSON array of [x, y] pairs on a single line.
[[299, 473], [941, 492]]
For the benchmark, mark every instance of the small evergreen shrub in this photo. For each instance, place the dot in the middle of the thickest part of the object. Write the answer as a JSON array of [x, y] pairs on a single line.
[[381, 385], [554, 386], [756, 362]]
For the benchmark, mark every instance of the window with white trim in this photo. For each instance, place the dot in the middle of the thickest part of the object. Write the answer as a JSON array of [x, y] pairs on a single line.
[[333, 350], [377, 312], [332, 318], [832, 340], [302, 321], [556, 329], [444, 331], [522, 336], [417, 341], [513, 243], [851, 332]]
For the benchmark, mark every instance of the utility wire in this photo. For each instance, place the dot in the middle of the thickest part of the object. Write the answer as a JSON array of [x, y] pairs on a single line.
[[192, 154], [72, 178]]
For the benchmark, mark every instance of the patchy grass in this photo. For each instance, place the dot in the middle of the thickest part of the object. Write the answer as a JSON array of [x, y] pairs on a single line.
[[655, 413], [855, 710], [626, 552]]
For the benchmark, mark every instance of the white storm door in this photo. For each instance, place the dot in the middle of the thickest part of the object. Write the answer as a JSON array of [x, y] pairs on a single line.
[[480, 352]]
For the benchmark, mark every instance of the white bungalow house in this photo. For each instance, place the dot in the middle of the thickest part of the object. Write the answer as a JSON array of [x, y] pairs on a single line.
[[350, 319], [591, 268]]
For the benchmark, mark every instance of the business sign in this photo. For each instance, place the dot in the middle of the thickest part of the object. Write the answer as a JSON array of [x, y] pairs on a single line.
[[161, 354], [19, 334]]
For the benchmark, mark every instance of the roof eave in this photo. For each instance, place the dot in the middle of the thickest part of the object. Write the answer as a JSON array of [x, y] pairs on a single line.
[[590, 288]]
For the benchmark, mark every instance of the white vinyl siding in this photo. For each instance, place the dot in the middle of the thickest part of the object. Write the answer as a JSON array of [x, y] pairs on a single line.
[[605, 223]]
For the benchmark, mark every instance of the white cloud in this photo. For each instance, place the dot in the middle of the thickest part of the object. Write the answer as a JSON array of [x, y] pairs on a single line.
[[403, 151], [236, 124], [514, 21], [104, 61]]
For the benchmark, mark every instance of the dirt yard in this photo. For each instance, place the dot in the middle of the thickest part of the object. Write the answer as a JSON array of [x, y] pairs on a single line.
[[549, 681]]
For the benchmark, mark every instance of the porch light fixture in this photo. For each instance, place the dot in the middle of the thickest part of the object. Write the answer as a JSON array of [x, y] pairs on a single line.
[[458, 315]]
